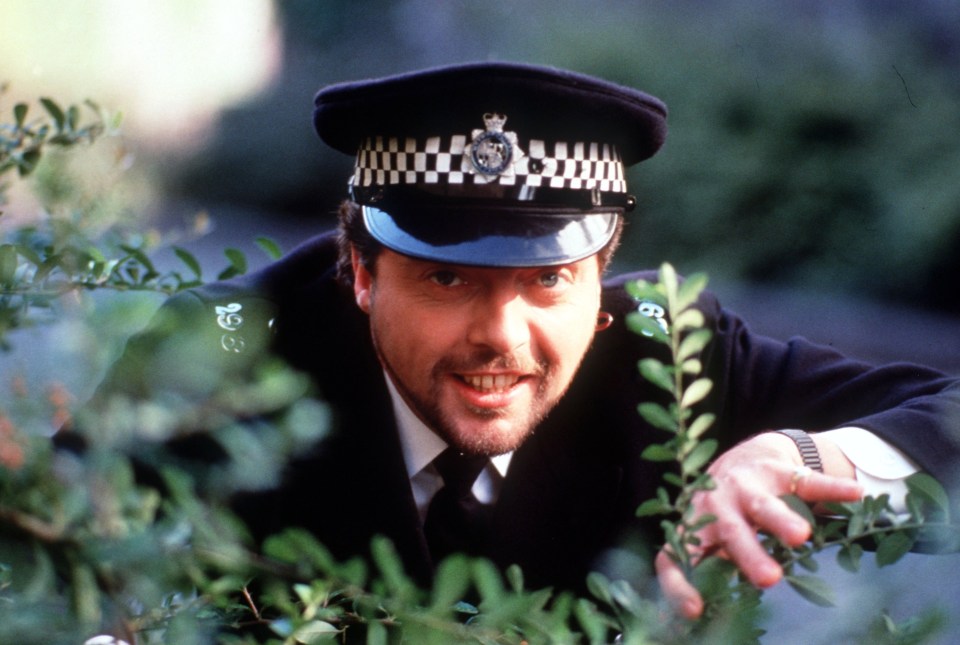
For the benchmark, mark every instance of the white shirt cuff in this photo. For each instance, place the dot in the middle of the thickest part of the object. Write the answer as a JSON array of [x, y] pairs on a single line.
[[881, 468]]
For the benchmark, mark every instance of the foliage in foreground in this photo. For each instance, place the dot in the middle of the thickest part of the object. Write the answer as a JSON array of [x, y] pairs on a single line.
[[88, 546]]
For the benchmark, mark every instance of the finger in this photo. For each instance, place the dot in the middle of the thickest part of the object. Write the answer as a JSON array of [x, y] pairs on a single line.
[[740, 544], [772, 515], [678, 591], [813, 486]]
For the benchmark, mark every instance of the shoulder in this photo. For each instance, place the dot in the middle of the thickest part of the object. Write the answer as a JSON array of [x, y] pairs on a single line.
[[618, 300], [251, 303], [227, 320]]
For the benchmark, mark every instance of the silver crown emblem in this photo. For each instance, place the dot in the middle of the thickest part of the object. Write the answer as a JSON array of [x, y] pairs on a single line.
[[494, 121]]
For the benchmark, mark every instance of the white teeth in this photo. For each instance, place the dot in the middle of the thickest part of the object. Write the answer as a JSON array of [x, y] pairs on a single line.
[[491, 383]]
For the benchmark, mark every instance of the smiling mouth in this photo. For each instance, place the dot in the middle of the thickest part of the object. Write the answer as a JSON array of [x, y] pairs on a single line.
[[493, 383]]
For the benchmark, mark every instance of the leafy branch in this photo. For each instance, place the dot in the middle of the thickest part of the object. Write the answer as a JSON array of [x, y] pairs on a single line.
[[849, 528], [685, 337], [23, 140]]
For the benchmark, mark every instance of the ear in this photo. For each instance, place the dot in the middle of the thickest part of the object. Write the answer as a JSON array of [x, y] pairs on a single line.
[[362, 282]]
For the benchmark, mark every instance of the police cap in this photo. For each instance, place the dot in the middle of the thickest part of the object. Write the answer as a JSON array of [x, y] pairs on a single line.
[[491, 164]]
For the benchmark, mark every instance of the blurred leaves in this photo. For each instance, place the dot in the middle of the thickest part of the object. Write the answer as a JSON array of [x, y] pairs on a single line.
[[23, 141]]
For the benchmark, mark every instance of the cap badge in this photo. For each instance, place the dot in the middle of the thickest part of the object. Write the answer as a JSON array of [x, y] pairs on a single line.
[[492, 151]]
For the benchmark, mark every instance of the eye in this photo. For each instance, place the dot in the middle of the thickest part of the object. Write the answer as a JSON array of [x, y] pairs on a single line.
[[549, 279], [446, 278]]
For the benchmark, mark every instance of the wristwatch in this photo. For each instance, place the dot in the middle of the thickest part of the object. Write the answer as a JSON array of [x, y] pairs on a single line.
[[808, 449]]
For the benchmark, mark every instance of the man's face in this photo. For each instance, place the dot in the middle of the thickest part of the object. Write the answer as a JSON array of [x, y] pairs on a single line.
[[480, 354]]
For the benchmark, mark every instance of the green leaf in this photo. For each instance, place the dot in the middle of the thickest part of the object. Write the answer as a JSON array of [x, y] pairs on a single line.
[[673, 478], [238, 264], [646, 326], [658, 452], [391, 568], [190, 260], [813, 589], [644, 290], [696, 392], [929, 491], [689, 319], [316, 631], [599, 586], [653, 507], [20, 113], [377, 633], [799, 507], [27, 161], [690, 289], [657, 416], [626, 596], [270, 247], [237, 259], [515, 577], [702, 521], [700, 425], [699, 456], [693, 344], [893, 547], [809, 563], [297, 545], [54, 111], [487, 580], [849, 557], [656, 372], [141, 258], [594, 623], [857, 521], [668, 277]]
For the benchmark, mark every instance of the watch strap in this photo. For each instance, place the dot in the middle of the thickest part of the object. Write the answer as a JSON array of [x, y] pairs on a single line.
[[807, 447]]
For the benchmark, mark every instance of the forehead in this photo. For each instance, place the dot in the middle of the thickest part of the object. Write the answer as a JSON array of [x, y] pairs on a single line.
[[401, 262]]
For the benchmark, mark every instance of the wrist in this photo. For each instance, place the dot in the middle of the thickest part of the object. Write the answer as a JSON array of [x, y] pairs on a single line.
[[834, 462], [805, 445]]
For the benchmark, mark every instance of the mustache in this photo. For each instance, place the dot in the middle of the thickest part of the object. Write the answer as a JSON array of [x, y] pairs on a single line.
[[490, 361]]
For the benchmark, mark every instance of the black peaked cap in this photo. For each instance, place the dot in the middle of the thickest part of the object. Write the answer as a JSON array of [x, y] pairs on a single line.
[[540, 102]]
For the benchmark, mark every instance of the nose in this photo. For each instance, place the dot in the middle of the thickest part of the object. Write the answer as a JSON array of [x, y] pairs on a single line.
[[501, 323]]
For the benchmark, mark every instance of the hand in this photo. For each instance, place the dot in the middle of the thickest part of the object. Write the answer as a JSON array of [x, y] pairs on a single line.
[[750, 478]]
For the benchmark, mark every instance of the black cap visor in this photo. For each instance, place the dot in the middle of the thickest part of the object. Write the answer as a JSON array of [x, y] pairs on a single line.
[[485, 235]]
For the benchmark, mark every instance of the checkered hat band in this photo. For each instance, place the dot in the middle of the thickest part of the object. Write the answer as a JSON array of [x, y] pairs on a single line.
[[385, 161]]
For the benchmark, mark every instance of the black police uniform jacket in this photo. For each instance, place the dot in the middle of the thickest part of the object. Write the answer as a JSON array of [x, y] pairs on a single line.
[[568, 501]]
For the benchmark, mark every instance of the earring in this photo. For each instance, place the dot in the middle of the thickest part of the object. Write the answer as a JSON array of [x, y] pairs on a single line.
[[604, 320]]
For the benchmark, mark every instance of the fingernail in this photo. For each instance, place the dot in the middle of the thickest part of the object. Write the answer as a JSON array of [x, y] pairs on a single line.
[[691, 608]]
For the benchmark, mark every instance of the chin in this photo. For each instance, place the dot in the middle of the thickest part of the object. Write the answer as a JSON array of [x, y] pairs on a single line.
[[490, 441]]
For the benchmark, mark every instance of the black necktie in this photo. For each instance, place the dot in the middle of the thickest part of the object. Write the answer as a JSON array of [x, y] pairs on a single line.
[[456, 520]]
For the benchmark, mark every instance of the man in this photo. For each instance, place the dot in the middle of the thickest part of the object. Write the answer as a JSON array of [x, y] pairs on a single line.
[[462, 306]]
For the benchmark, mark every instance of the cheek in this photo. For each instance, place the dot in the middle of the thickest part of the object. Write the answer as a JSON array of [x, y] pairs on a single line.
[[565, 338], [411, 333]]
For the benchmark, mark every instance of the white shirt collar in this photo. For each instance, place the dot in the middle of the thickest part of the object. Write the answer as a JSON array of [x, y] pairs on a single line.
[[421, 445]]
